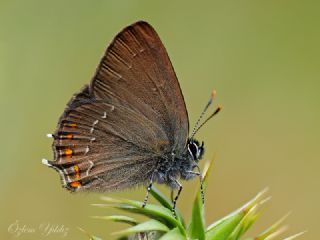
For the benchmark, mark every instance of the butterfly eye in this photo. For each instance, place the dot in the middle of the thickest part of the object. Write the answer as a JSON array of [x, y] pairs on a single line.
[[193, 150]]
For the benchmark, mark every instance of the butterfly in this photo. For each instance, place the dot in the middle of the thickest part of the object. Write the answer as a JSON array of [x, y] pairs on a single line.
[[129, 126]]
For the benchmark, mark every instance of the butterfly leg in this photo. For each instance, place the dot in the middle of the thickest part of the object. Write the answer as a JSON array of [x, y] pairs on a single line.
[[176, 198], [147, 194], [201, 181], [171, 195], [148, 190], [143, 235]]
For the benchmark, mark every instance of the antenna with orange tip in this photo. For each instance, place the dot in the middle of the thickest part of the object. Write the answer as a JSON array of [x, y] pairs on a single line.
[[196, 128]]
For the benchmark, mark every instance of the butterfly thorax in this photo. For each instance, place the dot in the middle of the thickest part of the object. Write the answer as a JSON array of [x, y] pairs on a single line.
[[174, 165]]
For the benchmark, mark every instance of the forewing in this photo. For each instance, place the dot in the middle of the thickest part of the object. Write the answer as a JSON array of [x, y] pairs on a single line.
[[136, 72]]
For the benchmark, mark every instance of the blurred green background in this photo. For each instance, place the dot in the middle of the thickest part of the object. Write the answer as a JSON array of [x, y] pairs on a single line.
[[262, 57]]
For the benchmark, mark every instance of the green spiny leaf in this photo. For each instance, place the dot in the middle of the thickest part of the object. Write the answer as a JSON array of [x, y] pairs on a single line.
[[272, 229], [159, 213], [95, 238], [276, 233], [91, 237], [164, 201], [161, 198], [118, 218], [241, 228], [174, 234], [223, 228], [151, 225], [295, 236], [245, 208], [196, 229]]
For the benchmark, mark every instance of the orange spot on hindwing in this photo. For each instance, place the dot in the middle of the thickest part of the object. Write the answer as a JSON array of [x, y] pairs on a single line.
[[77, 171], [66, 136], [72, 125], [68, 152], [75, 184]]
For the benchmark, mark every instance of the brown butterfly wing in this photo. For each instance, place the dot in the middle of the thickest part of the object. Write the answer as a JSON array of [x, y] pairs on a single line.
[[114, 131], [136, 71]]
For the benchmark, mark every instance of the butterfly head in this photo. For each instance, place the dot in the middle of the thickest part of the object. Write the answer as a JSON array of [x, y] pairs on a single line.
[[195, 150]]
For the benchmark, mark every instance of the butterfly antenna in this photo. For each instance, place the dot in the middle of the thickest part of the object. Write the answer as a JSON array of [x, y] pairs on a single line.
[[213, 114], [195, 129]]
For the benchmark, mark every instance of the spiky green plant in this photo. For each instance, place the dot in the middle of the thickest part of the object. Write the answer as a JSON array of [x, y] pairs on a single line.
[[162, 224]]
